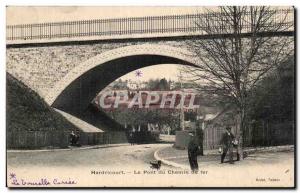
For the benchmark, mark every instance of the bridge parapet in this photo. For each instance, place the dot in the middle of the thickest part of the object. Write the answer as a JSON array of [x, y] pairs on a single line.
[[137, 27]]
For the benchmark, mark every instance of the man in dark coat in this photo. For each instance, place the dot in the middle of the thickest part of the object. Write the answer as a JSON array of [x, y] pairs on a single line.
[[200, 136], [193, 151], [72, 138], [227, 143], [131, 138]]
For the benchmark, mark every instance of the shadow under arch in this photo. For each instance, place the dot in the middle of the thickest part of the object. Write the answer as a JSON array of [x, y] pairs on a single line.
[[78, 88]]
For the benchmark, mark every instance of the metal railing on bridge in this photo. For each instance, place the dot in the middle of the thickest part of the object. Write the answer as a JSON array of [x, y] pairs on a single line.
[[130, 26]]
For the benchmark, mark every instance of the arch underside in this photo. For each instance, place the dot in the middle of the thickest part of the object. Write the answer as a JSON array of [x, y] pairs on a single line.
[[76, 97]]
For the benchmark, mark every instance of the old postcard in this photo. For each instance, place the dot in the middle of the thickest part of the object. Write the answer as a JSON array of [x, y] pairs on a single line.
[[150, 97]]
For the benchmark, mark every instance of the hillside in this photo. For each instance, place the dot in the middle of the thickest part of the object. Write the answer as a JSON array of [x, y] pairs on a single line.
[[27, 111]]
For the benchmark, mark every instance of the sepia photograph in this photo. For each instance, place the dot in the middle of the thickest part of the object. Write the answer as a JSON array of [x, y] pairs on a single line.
[[150, 97]]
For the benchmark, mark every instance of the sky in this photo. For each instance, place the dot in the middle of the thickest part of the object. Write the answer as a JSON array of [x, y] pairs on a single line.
[[172, 72]]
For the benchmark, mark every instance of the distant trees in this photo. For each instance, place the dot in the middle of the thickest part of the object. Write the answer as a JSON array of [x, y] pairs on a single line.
[[158, 84], [120, 84], [138, 117]]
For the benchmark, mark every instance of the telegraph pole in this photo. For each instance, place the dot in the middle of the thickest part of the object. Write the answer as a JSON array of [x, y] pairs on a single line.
[[181, 104]]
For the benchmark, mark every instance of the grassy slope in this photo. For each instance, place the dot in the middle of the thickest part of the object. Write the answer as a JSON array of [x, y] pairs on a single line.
[[27, 111]]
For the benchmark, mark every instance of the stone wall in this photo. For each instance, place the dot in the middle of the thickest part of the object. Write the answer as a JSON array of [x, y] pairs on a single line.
[[41, 66]]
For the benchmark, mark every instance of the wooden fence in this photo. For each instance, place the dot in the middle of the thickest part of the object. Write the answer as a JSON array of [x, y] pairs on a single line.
[[59, 139], [37, 139]]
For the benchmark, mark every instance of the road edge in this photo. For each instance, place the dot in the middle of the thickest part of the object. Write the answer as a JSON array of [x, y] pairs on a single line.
[[169, 163], [250, 150], [68, 149]]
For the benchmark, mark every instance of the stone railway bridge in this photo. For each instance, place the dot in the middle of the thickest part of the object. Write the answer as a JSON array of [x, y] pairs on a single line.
[[68, 76], [68, 63]]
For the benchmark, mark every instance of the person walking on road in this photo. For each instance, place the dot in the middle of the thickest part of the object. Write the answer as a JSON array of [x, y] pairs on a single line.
[[200, 136], [227, 143], [131, 137], [72, 138], [193, 151]]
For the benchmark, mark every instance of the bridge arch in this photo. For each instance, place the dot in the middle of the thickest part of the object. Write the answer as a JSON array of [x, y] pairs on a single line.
[[77, 88]]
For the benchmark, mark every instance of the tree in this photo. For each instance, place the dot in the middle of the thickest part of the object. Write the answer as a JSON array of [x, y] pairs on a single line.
[[271, 109], [158, 84], [274, 97], [163, 84], [232, 64]]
